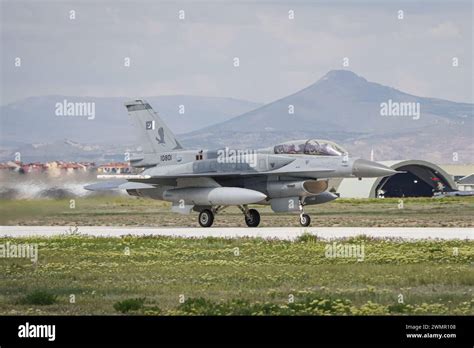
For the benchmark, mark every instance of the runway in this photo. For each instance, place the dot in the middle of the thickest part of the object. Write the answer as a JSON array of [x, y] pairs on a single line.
[[283, 233]]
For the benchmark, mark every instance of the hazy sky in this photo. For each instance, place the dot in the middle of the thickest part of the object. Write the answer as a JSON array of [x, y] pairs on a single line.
[[195, 56]]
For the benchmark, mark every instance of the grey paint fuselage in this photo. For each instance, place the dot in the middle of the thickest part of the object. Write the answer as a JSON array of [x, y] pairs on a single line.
[[260, 173]]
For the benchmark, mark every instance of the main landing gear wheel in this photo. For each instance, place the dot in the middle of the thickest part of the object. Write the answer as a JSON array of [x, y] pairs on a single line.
[[206, 218], [305, 220], [252, 218]]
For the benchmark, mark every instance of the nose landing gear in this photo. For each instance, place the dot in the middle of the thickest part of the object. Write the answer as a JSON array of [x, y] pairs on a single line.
[[305, 219]]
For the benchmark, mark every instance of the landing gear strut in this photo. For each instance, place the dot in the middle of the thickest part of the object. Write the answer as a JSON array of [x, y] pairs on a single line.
[[305, 220], [252, 216]]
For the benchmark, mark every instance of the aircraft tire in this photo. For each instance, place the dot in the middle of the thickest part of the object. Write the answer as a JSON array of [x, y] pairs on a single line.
[[206, 218], [252, 218], [305, 220]]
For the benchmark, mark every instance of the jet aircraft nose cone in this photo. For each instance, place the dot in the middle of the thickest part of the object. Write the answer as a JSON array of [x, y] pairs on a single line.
[[367, 169]]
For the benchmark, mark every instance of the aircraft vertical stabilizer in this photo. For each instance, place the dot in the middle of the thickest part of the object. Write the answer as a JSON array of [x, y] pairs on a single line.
[[152, 133]]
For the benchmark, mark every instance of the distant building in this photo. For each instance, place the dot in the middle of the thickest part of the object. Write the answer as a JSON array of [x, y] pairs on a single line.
[[114, 168], [53, 168], [420, 179], [458, 171], [10, 166], [36, 167], [466, 183], [71, 168]]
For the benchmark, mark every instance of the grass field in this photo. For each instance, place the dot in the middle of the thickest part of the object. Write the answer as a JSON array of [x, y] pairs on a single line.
[[130, 211], [172, 276]]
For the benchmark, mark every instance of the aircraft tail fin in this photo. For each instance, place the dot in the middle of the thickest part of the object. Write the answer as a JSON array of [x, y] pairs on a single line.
[[152, 133]]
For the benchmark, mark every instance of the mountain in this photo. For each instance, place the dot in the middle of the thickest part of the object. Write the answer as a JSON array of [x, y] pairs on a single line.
[[341, 106], [34, 120], [359, 114], [32, 128]]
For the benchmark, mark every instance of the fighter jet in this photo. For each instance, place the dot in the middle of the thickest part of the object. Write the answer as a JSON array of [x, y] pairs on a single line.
[[287, 176]]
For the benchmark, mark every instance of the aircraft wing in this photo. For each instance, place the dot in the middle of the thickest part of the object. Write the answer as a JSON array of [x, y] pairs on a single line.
[[319, 172], [140, 182]]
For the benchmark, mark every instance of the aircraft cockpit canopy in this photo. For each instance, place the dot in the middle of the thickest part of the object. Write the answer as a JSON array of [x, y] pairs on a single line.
[[310, 147]]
